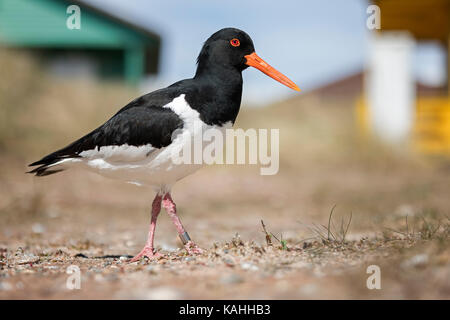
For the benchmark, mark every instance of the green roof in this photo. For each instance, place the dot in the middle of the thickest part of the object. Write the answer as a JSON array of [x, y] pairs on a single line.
[[42, 24]]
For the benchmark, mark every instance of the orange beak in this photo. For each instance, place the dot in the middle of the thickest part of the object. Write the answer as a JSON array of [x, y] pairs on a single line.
[[253, 60]]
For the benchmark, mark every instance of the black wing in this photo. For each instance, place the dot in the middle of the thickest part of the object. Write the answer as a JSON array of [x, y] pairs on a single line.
[[141, 122]]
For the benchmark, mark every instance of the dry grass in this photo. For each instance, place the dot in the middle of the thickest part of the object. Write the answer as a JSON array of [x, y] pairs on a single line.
[[391, 208], [38, 110]]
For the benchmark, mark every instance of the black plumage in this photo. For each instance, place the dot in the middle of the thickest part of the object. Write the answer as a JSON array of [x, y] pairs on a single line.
[[215, 92], [143, 121]]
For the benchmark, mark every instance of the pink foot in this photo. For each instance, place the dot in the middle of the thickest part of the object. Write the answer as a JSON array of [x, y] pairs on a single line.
[[192, 248], [146, 252]]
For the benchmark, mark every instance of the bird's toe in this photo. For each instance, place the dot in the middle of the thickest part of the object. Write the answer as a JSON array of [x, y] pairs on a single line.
[[146, 252]]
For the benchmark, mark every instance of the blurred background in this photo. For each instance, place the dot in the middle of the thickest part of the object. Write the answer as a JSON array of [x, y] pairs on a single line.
[[369, 132]]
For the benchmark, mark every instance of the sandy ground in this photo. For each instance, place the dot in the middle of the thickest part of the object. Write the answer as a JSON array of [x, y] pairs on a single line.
[[81, 219]]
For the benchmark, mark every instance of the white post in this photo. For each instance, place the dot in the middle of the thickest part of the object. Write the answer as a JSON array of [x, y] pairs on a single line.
[[390, 85]]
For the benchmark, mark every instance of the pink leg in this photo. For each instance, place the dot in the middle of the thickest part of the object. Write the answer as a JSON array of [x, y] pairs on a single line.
[[148, 248], [171, 209]]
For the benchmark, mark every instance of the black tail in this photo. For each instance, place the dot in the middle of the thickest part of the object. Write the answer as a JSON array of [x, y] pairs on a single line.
[[46, 164], [44, 171], [88, 142]]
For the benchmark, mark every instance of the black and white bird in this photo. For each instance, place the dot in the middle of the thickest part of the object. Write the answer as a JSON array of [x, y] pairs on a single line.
[[136, 145]]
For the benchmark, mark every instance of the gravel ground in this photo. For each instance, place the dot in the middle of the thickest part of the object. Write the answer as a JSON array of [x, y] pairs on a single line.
[[95, 229]]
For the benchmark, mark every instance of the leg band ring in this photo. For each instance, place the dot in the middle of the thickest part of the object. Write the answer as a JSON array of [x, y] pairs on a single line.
[[184, 237]]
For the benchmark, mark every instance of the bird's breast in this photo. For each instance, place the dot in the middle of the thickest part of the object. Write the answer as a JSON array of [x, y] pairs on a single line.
[[146, 165]]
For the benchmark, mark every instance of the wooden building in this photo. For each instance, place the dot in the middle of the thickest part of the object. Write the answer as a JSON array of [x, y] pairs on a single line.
[[105, 45]]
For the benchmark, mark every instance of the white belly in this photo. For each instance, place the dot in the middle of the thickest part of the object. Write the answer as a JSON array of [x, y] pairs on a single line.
[[146, 165], [158, 169]]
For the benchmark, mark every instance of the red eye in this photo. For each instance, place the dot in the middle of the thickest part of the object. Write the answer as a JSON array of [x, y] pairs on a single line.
[[235, 42]]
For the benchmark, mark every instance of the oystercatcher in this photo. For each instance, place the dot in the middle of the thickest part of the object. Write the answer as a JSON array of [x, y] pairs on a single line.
[[136, 144]]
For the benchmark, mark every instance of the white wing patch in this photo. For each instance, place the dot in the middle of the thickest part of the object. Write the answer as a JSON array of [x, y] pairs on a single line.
[[146, 165], [131, 154], [122, 153]]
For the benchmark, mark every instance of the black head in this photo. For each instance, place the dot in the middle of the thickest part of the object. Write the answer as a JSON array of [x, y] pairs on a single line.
[[229, 51], [227, 48]]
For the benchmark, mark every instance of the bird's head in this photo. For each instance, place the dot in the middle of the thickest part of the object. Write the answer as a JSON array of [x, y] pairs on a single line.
[[233, 49]]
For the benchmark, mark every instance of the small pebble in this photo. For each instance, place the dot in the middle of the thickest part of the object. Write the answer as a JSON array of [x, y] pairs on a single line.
[[169, 248], [163, 293], [111, 277], [309, 289], [249, 266], [151, 269], [418, 260], [228, 262], [51, 267], [129, 243], [231, 279], [38, 228], [5, 286], [28, 258], [99, 278], [52, 213]]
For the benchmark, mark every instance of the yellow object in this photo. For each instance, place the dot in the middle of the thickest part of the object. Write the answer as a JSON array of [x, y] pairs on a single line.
[[431, 130], [432, 125], [362, 116]]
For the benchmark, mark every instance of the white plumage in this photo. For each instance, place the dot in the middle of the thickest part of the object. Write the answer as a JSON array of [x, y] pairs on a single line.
[[146, 165]]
